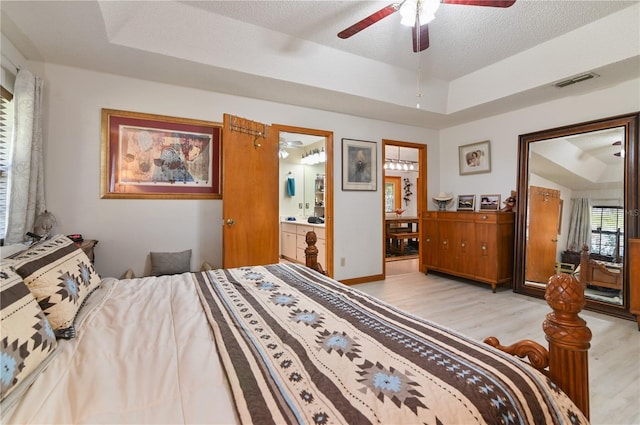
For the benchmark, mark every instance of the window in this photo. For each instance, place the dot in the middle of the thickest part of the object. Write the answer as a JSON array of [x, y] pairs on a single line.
[[6, 130], [607, 231]]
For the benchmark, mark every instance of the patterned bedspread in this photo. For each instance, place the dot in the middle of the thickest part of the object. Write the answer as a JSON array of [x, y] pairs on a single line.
[[298, 347]]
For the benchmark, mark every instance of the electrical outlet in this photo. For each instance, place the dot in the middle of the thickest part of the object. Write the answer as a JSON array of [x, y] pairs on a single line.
[[342, 261]]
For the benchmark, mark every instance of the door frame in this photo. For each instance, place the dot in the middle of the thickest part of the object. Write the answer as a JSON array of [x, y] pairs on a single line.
[[421, 190], [328, 195]]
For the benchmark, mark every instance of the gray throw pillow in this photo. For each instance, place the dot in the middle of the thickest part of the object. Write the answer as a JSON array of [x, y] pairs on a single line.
[[163, 263]]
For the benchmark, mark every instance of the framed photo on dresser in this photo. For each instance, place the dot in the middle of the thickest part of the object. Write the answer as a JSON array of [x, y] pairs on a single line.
[[489, 202], [466, 202]]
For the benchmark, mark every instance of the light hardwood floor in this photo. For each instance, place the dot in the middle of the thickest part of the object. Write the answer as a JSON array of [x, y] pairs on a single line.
[[394, 268], [472, 309]]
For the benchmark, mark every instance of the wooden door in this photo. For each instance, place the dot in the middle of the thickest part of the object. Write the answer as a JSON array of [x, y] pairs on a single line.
[[542, 234], [249, 193]]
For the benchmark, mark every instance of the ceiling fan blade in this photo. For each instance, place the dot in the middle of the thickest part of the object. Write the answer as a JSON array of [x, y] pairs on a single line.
[[489, 3], [369, 20], [424, 38]]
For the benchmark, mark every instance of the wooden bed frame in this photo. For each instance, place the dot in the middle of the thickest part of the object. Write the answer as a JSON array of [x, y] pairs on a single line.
[[593, 272], [565, 362]]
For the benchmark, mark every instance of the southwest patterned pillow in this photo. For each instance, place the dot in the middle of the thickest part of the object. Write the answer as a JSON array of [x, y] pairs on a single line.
[[27, 338], [60, 276]]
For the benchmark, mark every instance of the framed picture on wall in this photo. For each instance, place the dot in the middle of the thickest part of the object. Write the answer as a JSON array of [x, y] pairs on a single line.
[[475, 158], [466, 202], [159, 157], [359, 165], [489, 202]]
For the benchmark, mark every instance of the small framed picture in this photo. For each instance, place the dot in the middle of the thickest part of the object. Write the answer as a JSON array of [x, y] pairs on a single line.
[[466, 202], [475, 158], [490, 202], [359, 165]]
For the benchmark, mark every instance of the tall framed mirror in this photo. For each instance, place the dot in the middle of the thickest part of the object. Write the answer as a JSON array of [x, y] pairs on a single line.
[[577, 206]]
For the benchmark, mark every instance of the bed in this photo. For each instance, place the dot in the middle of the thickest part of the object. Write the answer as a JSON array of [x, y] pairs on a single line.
[[270, 344], [604, 274]]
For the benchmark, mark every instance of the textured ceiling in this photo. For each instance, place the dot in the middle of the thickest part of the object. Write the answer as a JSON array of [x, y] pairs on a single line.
[[289, 52], [462, 38]]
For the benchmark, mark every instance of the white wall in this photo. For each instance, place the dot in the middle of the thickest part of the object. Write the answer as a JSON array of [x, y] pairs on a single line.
[[503, 131], [129, 229]]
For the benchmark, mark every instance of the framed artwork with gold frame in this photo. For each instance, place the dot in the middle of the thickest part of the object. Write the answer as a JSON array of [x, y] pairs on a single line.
[[146, 156]]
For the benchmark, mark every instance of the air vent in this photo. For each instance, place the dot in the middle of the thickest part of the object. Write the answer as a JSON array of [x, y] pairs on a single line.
[[576, 79]]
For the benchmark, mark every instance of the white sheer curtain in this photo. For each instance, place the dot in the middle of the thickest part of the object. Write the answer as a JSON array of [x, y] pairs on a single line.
[[26, 176], [579, 224]]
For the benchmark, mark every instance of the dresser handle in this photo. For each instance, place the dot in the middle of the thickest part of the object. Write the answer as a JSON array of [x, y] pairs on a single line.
[[444, 242], [428, 239], [484, 247], [463, 244], [484, 217]]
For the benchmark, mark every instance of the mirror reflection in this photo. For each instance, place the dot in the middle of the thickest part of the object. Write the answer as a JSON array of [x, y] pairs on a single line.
[[302, 172], [575, 212]]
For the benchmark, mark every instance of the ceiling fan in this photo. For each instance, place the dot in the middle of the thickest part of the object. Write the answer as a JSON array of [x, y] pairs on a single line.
[[416, 13], [290, 143], [620, 153]]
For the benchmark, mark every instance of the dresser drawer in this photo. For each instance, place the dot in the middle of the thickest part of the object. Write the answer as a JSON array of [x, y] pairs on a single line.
[[483, 217]]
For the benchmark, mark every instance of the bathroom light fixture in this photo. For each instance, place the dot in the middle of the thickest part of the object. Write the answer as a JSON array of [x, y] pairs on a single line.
[[315, 156], [282, 154]]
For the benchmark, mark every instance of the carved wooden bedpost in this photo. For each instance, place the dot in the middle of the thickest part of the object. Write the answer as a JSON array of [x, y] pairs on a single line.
[[566, 360], [311, 252], [569, 339]]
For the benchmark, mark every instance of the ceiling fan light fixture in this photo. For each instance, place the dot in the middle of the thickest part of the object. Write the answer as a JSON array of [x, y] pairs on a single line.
[[426, 11]]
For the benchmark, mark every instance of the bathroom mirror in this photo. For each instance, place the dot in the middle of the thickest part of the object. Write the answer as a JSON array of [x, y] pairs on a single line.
[[577, 194], [302, 160]]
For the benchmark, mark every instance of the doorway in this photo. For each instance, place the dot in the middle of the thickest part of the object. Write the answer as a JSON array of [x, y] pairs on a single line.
[[404, 195], [305, 191]]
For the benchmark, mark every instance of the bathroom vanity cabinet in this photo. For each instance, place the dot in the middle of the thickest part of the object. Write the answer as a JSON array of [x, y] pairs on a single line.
[[293, 241]]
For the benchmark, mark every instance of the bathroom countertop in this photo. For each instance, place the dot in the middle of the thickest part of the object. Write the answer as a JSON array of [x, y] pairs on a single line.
[[305, 222]]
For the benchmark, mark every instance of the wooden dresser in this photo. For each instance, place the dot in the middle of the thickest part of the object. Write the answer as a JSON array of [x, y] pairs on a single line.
[[634, 278], [473, 245]]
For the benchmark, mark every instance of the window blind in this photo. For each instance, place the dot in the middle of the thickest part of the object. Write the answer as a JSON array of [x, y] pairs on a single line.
[[6, 130], [607, 230]]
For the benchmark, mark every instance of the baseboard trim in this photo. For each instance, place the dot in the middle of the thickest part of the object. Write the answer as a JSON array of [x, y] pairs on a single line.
[[363, 279]]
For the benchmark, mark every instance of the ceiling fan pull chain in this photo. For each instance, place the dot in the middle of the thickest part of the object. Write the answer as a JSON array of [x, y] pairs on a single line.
[[418, 94]]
